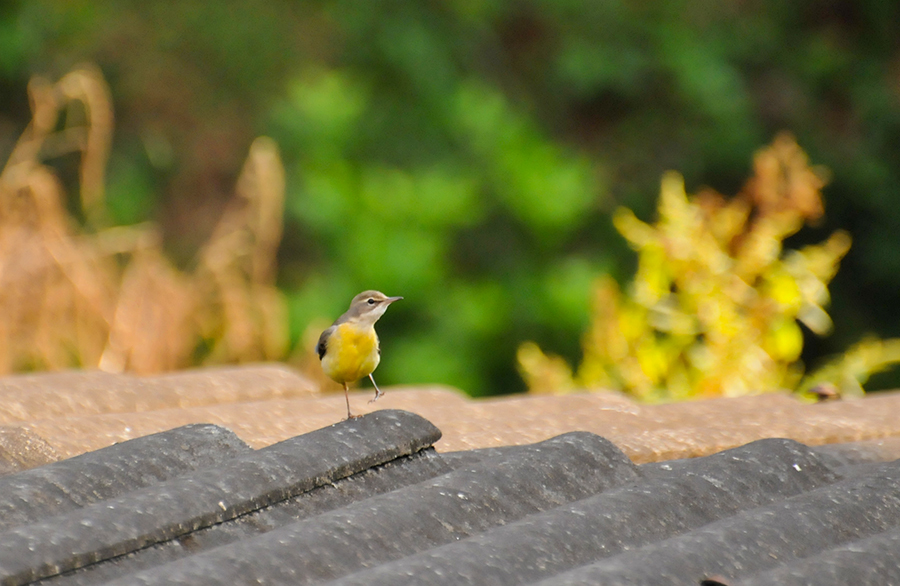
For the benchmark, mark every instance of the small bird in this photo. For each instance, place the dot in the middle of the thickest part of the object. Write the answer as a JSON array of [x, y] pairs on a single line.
[[349, 349]]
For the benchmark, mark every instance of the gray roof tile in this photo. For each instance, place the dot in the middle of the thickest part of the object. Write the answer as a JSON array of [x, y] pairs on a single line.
[[369, 501], [456, 505], [668, 501], [757, 539], [872, 560], [70, 484], [212, 495]]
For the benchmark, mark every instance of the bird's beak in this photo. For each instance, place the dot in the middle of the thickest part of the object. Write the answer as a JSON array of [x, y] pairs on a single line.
[[392, 299]]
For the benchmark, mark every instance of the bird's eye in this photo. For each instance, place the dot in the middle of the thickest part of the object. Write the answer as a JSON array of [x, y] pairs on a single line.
[[371, 301]]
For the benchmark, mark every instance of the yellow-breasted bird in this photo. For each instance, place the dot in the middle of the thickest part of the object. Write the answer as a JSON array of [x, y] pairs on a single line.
[[349, 349]]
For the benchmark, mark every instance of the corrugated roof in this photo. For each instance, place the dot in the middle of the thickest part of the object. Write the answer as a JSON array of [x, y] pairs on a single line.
[[370, 501]]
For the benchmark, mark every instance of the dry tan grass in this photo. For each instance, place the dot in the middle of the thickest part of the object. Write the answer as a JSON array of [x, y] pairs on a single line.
[[96, 296]]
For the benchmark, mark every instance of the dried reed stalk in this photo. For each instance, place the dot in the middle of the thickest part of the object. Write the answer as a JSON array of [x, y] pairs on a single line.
[[106, 297], [245, 317]]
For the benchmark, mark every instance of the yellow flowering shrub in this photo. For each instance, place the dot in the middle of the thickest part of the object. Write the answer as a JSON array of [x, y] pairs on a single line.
[[715, 306]]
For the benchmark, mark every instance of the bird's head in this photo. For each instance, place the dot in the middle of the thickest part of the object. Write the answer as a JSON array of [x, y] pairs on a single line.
[[368, 306]]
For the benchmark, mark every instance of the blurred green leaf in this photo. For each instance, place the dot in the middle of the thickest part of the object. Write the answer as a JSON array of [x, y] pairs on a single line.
[[538, 181], [131, 195], [321, 113], [432, 198]]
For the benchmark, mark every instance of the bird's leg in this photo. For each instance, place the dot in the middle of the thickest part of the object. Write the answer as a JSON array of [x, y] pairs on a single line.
[[347, 396], [378, 392]]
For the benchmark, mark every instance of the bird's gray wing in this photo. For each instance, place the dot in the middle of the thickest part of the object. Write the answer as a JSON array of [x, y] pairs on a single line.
[[322, 345]]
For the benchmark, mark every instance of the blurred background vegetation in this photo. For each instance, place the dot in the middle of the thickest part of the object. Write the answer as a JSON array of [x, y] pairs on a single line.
[[468, 155]]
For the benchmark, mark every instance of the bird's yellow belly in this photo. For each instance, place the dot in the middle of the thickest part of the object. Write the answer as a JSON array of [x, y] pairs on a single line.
[[352, 354]]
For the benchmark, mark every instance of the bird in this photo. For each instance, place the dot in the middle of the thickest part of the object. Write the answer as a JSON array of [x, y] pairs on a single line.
[[349, 349]]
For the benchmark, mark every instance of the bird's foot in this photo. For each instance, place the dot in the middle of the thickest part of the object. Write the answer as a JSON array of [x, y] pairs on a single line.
[[378, 394]]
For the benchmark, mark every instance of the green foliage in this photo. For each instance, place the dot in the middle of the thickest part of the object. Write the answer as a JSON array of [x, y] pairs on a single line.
[[131, 192], [465, 154], [398, 228]]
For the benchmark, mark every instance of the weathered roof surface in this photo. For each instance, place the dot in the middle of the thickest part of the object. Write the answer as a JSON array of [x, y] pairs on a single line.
[[45, 417], [371, 501], [368, 501]]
